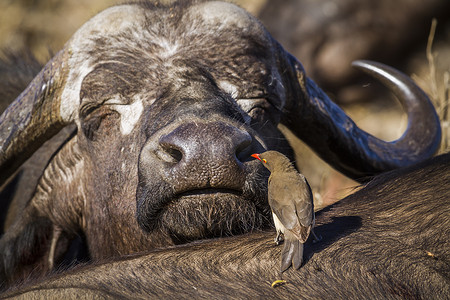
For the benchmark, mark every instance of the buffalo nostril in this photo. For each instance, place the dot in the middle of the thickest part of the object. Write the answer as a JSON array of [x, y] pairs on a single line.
[[169, 153], [243, 149], [175, 154]]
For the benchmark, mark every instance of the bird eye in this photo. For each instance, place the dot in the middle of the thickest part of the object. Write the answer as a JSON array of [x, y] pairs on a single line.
[[265, 161]]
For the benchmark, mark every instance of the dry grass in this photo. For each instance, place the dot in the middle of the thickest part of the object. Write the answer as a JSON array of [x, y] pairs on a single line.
[[437, 84]]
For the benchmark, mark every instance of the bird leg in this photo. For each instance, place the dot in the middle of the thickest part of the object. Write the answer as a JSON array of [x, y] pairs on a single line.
[[316, 238], [279, 238]]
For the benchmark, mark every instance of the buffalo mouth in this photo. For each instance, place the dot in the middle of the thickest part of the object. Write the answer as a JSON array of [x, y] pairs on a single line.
[[210, 213], [197, 196], [205, 213], [207, 192]]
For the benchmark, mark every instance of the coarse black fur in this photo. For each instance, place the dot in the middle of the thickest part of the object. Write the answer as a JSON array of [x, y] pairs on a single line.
[[389, 240], [163, 108]]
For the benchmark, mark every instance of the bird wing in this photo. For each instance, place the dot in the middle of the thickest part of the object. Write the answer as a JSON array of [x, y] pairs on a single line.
[[304, 203], [290, 199]]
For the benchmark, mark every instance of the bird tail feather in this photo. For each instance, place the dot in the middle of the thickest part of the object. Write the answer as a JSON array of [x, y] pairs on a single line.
[[292, 253]]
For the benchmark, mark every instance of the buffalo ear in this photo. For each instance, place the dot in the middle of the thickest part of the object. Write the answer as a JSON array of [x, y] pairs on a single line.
[[31, 247], [35, 246], [43, 228], [24, 246]]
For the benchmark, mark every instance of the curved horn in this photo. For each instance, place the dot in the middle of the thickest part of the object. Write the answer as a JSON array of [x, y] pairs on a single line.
[[335, 137], [33, 117], [51, 101]]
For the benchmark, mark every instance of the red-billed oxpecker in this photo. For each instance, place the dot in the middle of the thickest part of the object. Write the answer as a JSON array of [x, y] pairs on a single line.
[[291, 201]]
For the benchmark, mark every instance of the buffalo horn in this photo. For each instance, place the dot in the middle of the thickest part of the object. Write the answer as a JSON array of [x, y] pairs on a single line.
[[335, 137]]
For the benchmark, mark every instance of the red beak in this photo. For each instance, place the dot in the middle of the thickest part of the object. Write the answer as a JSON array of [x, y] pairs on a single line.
[[256, 155]]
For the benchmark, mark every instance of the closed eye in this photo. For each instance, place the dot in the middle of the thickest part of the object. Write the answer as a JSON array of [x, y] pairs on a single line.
[[248, 105], [89, 107]]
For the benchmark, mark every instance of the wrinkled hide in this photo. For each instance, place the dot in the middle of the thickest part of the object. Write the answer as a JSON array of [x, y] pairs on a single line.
[[389, 240], [168, 103]]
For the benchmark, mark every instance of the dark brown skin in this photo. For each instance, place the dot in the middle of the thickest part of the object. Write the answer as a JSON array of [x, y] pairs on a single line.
[[389, 240], [168, 104]]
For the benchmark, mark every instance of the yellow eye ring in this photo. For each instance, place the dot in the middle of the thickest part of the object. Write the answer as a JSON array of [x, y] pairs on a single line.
[[264, 161]]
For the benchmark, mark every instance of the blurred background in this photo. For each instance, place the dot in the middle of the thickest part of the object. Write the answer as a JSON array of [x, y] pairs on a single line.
[[325, 35]]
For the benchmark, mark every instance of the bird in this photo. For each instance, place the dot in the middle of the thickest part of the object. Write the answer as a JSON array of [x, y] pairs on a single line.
[[291, 201]]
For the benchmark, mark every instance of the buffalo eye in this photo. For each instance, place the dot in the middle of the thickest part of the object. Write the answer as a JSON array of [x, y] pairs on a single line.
[[259, 109], [98, 120]]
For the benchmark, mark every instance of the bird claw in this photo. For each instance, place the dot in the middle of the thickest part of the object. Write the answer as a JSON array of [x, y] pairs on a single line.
[[279, 238], [316, 238]]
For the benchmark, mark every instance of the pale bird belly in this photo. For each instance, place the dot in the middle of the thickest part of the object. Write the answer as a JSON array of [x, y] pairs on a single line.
[[278, 224]]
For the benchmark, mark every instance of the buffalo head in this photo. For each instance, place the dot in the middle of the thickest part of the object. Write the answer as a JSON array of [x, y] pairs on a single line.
[[169, 103]]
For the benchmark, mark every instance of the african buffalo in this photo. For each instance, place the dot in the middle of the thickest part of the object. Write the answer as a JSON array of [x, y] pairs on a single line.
[[168, 103], [388, 240]]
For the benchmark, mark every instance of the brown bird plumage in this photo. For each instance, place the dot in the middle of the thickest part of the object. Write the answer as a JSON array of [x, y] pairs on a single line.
[[291, 201]]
